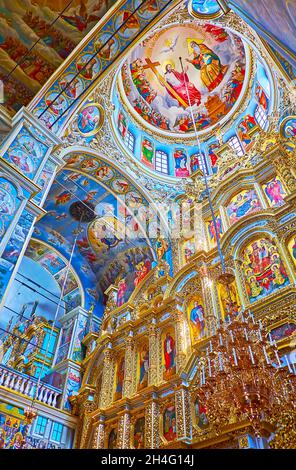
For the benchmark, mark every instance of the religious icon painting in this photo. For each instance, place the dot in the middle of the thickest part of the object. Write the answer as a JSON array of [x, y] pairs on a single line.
[[263, 269], [188, 249], [292, 247], [133, 198], [89, 164], [120, 185], [244, 203], [196, 318], [71, 85], [146, 10], [88, 66], [288, 127], [283, 331], [275, 192], [200, 415], [90, 119], [181, 162], [74, 159], [213, 156], [127, 24], [229, 301], [147, 153], [169, 354], [56, 103], [139, 433], [106, 46], [122, 124], [119, 378], [170, 424], [143, 366]]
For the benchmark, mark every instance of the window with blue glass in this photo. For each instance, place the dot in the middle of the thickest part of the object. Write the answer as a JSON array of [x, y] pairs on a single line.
[[130, 141], [57, 430], [40, 425]]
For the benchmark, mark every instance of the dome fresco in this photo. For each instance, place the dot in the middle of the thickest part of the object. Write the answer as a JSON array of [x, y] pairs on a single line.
[[213, 66]]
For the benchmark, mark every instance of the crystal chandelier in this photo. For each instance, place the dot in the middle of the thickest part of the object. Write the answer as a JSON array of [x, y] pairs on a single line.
[[238, 376]]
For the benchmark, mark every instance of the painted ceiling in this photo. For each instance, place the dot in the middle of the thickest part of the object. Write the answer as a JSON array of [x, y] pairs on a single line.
[[213, 65], [39, 35], [92, 203]]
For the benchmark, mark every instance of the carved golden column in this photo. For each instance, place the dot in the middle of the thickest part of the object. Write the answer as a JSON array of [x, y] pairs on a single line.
[[154, 369], [130, 361], [99, 434], [152, 424], [106, 396], [124, 430], [211, 301], [183, 415], [180, 340], [285, 166]]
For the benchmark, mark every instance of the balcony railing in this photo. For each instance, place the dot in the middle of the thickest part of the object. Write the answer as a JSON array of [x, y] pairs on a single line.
[[26, 385]]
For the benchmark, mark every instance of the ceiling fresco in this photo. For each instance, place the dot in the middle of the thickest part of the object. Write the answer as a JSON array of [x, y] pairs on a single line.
[[111, 243], [55, 26], [213, 66]]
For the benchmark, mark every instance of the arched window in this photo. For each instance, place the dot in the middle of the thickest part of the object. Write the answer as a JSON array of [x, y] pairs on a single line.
[[130, 141], [261, 117], [236, 146], [161, 161]]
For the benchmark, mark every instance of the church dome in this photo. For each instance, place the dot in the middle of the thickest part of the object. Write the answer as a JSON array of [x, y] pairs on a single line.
[[152, 79]]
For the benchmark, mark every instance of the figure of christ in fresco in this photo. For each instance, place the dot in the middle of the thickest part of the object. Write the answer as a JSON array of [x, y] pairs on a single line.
[[144, 366], [197, 320], [178, 84], [169, 352], [204, 59]]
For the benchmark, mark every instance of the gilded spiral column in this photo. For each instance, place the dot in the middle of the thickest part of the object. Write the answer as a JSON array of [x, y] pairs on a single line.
[[106, 397], [183, 415], [152, 425], [124, 431]]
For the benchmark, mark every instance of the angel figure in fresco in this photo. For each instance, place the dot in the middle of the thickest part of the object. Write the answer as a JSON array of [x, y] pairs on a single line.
[[204, 59], [81, 19], [179, 83]]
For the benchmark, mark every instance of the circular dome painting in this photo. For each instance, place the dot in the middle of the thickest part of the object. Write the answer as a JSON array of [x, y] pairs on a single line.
[[183, 70]]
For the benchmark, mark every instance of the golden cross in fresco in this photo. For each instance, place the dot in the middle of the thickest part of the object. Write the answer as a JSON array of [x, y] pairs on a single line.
[[152, 66]]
